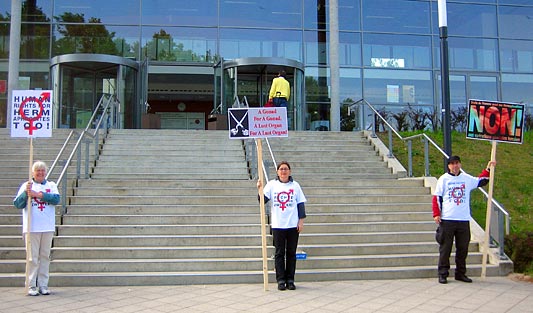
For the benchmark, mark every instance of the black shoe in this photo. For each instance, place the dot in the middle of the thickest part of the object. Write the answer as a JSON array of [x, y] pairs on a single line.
[[281, 286], [463, 278], [442, 279], [291, 286]]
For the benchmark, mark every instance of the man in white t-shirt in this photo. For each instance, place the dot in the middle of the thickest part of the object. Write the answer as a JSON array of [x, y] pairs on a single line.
[[451, 211]]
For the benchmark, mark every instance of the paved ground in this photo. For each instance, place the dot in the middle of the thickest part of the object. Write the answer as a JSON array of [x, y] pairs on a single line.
[[494, 294]]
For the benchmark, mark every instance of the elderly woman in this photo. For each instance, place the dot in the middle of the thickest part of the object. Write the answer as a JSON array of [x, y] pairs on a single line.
[[44, 196], [288, 213]]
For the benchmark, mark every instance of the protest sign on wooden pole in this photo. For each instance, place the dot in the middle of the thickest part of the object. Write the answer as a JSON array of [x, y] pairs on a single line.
[[28, 208], [31, 117], [489, 212], [496, 122], [247, 123], [263, 214]]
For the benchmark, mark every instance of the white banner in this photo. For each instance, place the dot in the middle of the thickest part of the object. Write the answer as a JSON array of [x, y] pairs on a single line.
[[257, 122], [31, 113]]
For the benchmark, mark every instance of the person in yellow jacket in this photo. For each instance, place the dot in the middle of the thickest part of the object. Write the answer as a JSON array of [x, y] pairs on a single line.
[[280, 91]]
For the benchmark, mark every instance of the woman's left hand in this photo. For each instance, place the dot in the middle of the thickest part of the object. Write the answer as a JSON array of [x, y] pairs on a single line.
[[300, 226]]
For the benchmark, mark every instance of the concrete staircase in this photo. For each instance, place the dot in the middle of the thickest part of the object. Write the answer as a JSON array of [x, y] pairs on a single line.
[[168, 207]]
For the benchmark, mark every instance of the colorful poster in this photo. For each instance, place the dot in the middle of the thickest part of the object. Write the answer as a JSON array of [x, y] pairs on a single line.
[[499, 121], [31, 113]]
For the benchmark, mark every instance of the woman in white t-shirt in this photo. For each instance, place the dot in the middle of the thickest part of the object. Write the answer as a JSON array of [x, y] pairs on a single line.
[[44, 196], [287, 221]]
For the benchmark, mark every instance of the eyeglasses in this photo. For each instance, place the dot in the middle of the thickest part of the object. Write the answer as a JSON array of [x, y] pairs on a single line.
[[284, 169]]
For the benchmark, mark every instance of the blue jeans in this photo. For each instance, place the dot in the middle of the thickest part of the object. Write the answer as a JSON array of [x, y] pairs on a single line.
[[280, 102]]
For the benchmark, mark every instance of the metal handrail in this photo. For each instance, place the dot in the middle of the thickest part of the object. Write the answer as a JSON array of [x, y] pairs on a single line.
[[426, 162], [62, 179]]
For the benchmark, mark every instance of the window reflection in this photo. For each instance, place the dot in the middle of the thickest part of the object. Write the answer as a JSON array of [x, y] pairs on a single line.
[[396, 16], [316, 48], [516, 55], [468, 20], [316, 14], [270, 14], [125, 12], [473, 54], [397, 51], [517, 88], [180, 44], [516, 22], [242, 43], [187, 13]]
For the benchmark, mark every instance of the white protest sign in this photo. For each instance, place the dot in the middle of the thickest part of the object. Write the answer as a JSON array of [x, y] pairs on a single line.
[[31, 113], [257, 122]]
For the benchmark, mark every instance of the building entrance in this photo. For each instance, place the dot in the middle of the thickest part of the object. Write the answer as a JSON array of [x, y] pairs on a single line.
[[249, 80], [79, 80]]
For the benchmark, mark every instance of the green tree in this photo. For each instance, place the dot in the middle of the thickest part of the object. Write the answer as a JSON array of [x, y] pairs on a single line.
[[79, 36]]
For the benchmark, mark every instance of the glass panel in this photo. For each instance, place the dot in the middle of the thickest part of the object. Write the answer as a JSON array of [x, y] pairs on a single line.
[[516, 22], [317, 81], [468, 19], [187, 13], [180, 44], [517, 88], [35, 11], [270, 14], [516, 56], [526, 2], [96, 38], [396, 16], [470, 54], [125, 12], [484, 88], [34, 41], [458, 96], [397, 51], [398, 87], [316, 14], [242, 43], [316, 52]]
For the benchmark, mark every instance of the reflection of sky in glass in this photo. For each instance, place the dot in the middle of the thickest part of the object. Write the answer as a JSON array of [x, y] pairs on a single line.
[[261, 13], [124, 12], [180, 13], [240, 43]]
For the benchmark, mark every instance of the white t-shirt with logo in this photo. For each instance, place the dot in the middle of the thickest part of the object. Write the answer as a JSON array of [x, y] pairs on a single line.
[[43, 215], [284, 199], [455, 193]]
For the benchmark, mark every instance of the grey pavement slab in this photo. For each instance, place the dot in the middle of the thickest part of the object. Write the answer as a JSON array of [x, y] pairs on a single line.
[[493, 294]]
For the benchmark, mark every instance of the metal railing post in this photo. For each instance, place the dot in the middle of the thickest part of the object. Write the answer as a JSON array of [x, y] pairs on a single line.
[[391, 155], [426, 157], [64, 193], [410, 157], [78, 165], [87, 147]]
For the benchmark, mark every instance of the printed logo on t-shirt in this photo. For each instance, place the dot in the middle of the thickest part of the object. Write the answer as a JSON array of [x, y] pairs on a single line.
[[284, 197], [457, 193]]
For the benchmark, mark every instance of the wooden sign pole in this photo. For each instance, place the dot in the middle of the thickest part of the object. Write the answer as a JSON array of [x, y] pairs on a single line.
[[28, 208], [263, 215], [489, 211]]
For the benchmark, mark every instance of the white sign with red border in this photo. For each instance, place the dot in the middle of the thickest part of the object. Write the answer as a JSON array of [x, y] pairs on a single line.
[[257, 122], [31, 113]]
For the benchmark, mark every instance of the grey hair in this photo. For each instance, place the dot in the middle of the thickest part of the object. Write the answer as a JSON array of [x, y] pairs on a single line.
[[39, 165]]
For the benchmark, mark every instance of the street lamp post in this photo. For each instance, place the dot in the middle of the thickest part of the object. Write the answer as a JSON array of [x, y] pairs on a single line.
[[445, 79]]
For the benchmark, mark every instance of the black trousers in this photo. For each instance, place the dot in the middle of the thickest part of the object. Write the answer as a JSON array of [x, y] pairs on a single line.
[[460, 230], [285, 243]]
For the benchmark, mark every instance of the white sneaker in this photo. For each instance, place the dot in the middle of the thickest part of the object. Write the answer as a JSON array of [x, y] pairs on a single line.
[[32, 291], [44, 290]]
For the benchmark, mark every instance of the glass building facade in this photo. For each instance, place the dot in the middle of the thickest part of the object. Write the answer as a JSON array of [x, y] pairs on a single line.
[[388, 54]]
